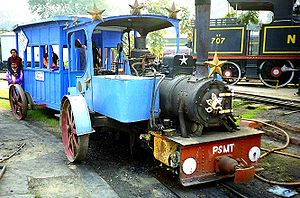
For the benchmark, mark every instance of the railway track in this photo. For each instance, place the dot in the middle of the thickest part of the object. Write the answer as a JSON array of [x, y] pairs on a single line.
[[293, 104], [213, 189]]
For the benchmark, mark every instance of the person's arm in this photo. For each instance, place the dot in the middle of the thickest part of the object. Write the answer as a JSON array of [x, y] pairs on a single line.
[[9, 78], [19, 78], [45, 62]]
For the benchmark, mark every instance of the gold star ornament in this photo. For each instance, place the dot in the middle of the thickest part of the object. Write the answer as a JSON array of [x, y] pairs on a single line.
[[136, 8], [87, 81], [96, 13], [215, 65], [67, 24], [173, 11]]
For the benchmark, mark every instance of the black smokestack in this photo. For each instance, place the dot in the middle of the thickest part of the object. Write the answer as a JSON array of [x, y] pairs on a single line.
[[202, 35]]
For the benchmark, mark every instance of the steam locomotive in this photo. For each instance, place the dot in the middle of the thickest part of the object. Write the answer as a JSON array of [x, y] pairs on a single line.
[[269, 53], [185, 119]]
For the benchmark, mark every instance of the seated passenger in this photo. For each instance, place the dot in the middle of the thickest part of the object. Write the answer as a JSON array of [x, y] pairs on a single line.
[[96, 58], [14, 76], [54, 61]]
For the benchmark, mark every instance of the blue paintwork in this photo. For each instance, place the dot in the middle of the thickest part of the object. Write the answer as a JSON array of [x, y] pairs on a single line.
[[124, 100], [54, 85], [81, 115]]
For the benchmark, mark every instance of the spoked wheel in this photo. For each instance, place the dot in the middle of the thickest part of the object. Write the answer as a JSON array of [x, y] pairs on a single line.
[[276, 73], [18, 101], [76, 147], [231, 73]]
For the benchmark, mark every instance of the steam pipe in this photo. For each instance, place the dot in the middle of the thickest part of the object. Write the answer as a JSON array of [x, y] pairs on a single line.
[[181, 119]]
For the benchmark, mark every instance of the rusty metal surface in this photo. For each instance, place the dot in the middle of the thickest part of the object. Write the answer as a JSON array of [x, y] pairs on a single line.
[[226, 165], [244, 175], [163, 149], [205, 155], [207, 137]]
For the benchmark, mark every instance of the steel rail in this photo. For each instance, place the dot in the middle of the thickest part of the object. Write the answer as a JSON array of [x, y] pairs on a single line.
[[286, 102]]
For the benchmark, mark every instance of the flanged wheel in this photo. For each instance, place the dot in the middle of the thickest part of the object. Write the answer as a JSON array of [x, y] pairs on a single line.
[[231, 73], [18, 101], [76, 147], [276, 73]]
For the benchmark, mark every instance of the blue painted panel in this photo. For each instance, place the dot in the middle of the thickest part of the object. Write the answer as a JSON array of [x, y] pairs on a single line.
[[54, 34], [44, 35], [35, 37], [124, 98], [44, 86], [111, 38]]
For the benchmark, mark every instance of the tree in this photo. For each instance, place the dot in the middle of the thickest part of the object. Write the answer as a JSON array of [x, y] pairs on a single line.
[[156, 39], [185, 26], [245, 17], [248, 17], [49, 8]]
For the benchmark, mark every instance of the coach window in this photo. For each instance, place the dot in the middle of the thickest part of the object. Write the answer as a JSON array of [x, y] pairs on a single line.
[[33, 56], [78, 49], [48, 55]]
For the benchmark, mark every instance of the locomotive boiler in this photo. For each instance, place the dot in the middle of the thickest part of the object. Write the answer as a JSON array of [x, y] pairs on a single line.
[[185, 118], [198, 102]]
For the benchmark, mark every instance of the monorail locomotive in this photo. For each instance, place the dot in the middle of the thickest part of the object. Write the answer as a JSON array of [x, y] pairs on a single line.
[[269, 53], [187, 120]]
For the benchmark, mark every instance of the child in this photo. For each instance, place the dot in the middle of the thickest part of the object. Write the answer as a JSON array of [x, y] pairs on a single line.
[[14, 76]]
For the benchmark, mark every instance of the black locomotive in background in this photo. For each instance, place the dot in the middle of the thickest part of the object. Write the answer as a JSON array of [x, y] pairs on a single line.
[[270, 53]]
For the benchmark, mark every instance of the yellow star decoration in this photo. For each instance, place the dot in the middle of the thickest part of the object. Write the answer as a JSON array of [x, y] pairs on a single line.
[[87, 81], [215, 65], [172, 11], [67, 24], [75, 21], [96, 13], [136, 8]]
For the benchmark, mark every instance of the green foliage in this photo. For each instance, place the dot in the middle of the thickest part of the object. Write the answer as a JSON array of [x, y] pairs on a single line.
[[231, 14], [156, 39], [185, 26], [244, 18], [248, 17], [157, 43], [157, 7], [49, 8]]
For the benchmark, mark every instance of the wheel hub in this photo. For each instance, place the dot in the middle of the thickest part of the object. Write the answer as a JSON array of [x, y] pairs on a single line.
[[227, 73], [276, 72]]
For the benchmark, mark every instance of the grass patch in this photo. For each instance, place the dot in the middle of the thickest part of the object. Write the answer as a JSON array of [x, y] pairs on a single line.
[[239, 103], [247, 110], [4, 104], [43, 115], [280, 168], [4, 93]]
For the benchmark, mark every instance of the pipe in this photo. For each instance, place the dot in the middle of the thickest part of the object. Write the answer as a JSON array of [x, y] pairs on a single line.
[[134, 69], [152, 118], [273, 150], [181, 119]]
